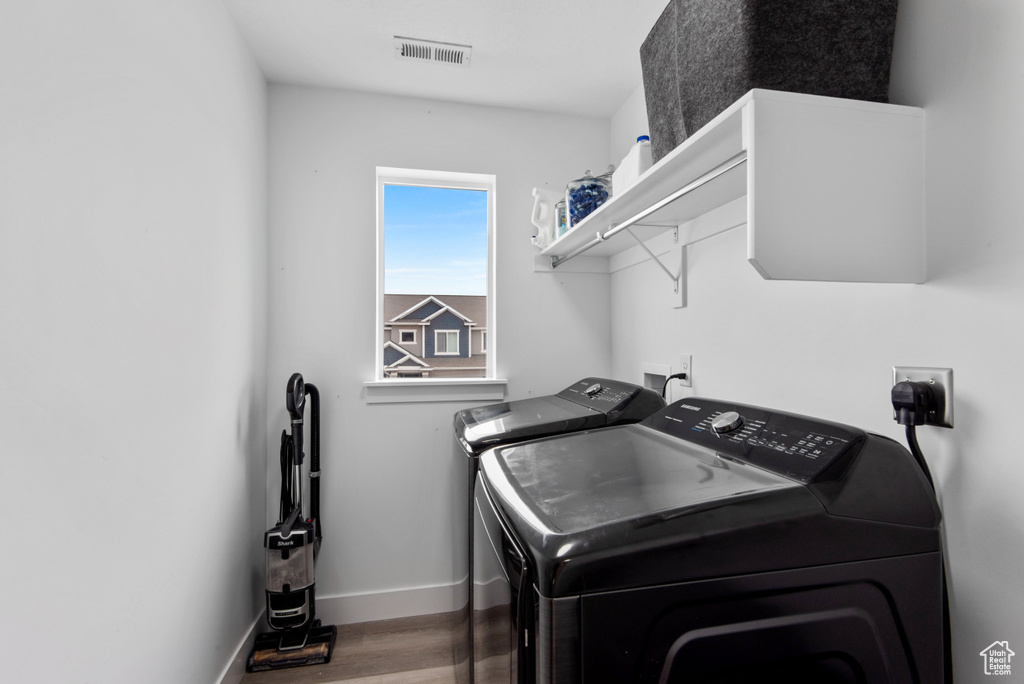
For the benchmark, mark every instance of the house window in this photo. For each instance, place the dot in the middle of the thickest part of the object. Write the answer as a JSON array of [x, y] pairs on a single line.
[[446, 342], [435, 271], [483, 341]]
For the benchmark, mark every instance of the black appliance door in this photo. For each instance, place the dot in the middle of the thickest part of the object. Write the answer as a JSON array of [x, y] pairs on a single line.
[[487, 426], [502, 599]]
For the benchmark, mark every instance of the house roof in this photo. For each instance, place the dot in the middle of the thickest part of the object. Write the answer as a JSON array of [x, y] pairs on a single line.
[[439, 362], [472, 308], [475, 361], [407, 357]]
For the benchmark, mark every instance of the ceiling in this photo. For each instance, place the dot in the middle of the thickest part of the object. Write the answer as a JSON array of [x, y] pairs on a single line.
[[578, 57]]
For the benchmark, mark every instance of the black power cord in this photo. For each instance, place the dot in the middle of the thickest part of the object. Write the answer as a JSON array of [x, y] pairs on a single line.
[[913, 401], [677, 376], [915, 449]]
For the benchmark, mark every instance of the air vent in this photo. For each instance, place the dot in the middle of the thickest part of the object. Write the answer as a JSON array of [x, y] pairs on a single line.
[[432, 51]]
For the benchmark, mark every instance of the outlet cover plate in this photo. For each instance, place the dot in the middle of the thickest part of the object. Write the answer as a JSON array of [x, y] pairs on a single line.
[[686, 366], [941, 381]]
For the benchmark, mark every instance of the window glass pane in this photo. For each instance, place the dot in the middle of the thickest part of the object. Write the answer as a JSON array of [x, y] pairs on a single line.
[[435, 261], [435, 241], [447, 342]]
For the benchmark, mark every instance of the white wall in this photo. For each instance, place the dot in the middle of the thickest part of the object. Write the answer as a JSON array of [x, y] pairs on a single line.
[[389, 469], [133, 311], [827, 349], [629, 122]]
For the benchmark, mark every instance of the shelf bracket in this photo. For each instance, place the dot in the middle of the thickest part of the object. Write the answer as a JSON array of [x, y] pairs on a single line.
[[678, 281]]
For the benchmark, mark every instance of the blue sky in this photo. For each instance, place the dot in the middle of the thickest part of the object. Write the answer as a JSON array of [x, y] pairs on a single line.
[[435, 240]]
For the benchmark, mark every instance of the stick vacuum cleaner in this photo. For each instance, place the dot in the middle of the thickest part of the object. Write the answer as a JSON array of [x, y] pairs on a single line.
[[292, 547]]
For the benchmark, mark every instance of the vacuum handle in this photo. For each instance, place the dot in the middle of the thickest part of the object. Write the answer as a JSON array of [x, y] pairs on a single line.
[[295, 399]]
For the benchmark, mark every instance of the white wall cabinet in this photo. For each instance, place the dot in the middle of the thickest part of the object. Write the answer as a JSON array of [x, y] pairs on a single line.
[[833, 188]]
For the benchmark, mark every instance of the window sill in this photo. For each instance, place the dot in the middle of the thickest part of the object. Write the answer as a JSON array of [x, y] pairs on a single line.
[[412, 390]]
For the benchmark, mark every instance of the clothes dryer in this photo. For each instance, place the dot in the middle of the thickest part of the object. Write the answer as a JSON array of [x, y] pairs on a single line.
[[714, 542], [587, 404]]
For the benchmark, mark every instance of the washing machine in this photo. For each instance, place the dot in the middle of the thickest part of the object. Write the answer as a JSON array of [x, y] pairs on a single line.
[[713, 542], [587, 404]]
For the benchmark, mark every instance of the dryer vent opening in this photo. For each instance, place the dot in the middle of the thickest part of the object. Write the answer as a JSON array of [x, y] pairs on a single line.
[[433, 51]]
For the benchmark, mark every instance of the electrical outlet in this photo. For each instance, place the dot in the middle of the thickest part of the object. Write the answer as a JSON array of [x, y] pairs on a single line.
[[941, 382], [686, 366]]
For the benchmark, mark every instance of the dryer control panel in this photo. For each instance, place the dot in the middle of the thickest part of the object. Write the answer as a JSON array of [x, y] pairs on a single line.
[[612, 396], [798, 447]]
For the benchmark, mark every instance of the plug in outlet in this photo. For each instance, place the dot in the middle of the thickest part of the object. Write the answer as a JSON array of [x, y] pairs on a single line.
[[686, 366], [941, 382]]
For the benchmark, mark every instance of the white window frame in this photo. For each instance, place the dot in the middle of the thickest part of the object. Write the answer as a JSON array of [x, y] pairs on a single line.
[[412, 332], [458, 340], [483, 341], [387, 390]]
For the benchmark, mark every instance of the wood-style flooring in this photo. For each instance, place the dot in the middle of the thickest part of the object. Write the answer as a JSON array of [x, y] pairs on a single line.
[[418, 650]]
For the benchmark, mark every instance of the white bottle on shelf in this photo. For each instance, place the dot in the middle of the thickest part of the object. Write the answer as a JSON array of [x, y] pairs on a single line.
[[633, 165], [543, 216]]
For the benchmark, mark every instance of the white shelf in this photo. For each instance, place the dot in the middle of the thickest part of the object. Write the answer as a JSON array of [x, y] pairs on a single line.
[[834, 189]]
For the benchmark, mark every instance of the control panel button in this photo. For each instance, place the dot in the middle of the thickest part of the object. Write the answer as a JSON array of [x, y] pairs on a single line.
[[593, 389], [726, 423]]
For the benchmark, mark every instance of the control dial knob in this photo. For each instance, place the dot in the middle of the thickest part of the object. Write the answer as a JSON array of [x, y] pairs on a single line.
[[593, 389], [726, 423]]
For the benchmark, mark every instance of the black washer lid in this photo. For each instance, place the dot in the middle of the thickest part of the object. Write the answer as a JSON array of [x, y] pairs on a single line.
[[597, 479], [515, 421], [585, 404]]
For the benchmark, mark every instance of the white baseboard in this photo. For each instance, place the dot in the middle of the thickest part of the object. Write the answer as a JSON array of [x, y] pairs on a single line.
[[235, 670], [348, 609]]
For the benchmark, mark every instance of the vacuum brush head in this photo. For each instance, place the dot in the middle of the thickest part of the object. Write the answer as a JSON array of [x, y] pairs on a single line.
[[276, 650]]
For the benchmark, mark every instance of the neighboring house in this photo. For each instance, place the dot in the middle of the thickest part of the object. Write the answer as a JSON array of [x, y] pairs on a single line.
[[435, 336]]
